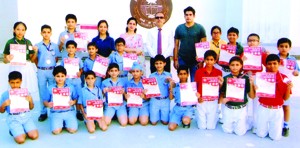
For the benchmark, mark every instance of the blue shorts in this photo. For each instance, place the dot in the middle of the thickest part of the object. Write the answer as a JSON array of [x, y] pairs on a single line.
[[159, 110], [179, 112], [20, 124], [139, 111], [109, 111], [57, 120]]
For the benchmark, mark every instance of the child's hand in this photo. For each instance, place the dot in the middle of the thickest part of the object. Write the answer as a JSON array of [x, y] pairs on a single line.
[[127, 96], [6, 103], [63, 39], [9, 57], [142, 95], [168, 80], [122, 91], [105, 90], [35, 49], [198, 95], [244, 58], [138, 52], [145, 91], [72, 102], [29, 98], [224, 100], [78, 73], [200, 100], [49, 104], [295, 73], [289, 85], [221, 80], [251, 80]]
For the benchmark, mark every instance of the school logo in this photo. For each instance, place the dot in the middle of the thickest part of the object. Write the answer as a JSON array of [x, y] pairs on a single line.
[[144, 11]]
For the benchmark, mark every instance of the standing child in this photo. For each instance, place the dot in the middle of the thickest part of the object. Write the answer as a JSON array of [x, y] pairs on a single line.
[[20, 124], [207, 110], [270, 117], [235, 113], [160, 106], [109, 111], [76, 82], [216, 41], [61, 118], [47, 58], [91, 92]]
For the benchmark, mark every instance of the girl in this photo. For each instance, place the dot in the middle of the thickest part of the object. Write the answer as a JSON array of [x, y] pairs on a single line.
[[216, 41]]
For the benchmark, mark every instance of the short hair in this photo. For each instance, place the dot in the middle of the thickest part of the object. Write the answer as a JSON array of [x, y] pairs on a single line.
[[236, 58], [59, 69], [134, 19], [210, 53], [120, 40], [99, 23], [159, 12], [182, 67], [92, 44], [273, 57], [113, 65], [17, 24], [253, 34], [233, 30], [189, 8], [90, 72], [46, 27], [284, 40], [71, 16], [159, 57], [14, 75], [71, 42], [215, 27]]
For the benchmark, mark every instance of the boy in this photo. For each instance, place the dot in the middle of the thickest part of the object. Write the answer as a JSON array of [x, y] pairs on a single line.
[[76, 82], [270, 117], [180, 114], [160, 106], [47, 58], [207, 110], [109, 111], [20, 124], [137, 112], [284, 45], [61, 118], [235, 113], [91, 92]]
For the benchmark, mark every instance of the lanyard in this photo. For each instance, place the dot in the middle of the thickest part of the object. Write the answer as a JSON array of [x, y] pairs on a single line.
[[47, 47], [112, 84], [96, 95]]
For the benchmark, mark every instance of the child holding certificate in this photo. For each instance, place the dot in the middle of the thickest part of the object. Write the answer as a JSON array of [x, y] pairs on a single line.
[[20, 123], [61, 98], [137, 102], [113, 88], [270, 117], [160, 106], [92, 100], [73, 65], [208, 80], [233, 94]]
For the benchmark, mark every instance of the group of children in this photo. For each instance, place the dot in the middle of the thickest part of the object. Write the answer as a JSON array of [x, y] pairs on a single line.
[[267, 113]]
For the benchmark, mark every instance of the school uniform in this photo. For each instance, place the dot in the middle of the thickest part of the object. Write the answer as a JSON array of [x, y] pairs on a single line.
[[115, 57], [87, 66], [68, 37]]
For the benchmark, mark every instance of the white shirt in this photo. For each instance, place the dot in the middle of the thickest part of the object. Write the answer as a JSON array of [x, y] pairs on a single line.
[[167, 42]]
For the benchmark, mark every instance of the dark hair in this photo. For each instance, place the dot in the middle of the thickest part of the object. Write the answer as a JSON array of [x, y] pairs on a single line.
[[100, 22], [131, 18], [182, 67], [113, 65], [284, 40], [189, 8], [90, 72], [272, 57], [71, 42], [159, 57], [159, 12], [14, 75], [17, 24], [92, 44], [233, 30], [59, 69], [215, 27], [253, 34], [46, 26], [119, 40], [71, 16], [210, 53], [236, 58]]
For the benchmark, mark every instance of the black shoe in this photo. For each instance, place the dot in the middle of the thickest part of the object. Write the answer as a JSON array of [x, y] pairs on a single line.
[[10, 133], [285, 132], [79, 116], [43, 117], [64, 126], [186, 126]]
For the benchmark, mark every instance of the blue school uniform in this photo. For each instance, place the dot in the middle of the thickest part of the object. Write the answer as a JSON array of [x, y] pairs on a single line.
[[18, 123], [70, 36], [88, 94], [87, 66], [46, 62], [115, 57], [160, 106]]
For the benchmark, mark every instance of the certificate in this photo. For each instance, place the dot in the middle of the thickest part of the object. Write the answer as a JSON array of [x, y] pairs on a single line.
[[152, 87], [61, 98], [210, 88], [201, 48], [253, 58], [94, 109], [188, 94], [72, 67], [19, 54], [90, 29], [287, 67], [134, 99], [81, 38], [18, 102], [100, 66], [226, 53], [128, 60], [266, 84], [115, 96], [235, 89]]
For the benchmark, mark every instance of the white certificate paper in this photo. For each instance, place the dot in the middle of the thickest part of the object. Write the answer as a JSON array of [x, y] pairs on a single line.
[[235, 89], [287, 67], [18, 102], [19, 54], [266, 84], [210, 88], [188, 94], [226, 53], [134, 99], [81, 38], [201, 48], [72, 67], [253, 58], [115, 96], [94, 109], [61, 98], [100, 66], [152, 87], [128, 60]]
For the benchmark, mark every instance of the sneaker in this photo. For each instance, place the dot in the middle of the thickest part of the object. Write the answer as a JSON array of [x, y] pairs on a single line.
[[186, 126], [79, 116], [285, 132], [43, 117]]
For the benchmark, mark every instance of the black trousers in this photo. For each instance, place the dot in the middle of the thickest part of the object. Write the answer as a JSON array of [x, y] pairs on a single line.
[[167, 67]]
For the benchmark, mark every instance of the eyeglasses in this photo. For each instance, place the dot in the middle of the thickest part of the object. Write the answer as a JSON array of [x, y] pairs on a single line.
[[253, 40], [159, 17]]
